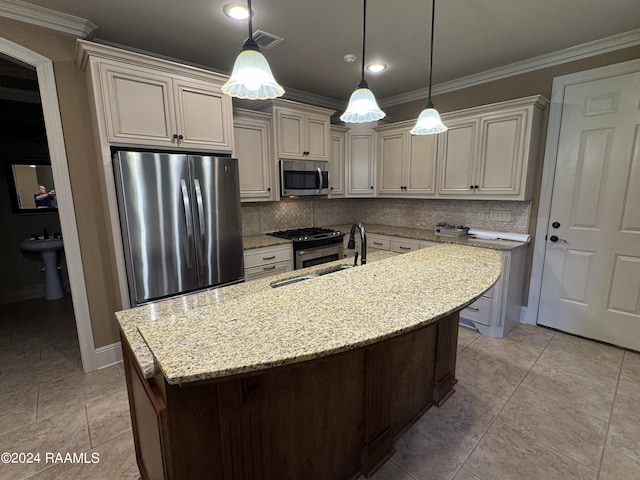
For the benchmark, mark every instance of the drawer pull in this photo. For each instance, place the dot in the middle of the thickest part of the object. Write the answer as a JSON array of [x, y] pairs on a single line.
[[269, 258], [269, 268], [377, 243], [405, 248], [473, 309]]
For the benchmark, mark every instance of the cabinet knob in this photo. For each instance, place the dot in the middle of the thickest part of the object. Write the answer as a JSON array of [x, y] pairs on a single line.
[[471, 187], [175, 136], [180, 137], [476, 187], [268, 189], [371, 187]]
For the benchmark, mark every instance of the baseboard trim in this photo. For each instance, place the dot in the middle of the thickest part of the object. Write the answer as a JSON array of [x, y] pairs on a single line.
[[106, 356]]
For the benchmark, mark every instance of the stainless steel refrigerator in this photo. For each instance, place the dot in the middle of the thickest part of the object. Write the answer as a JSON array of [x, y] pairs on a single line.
[[180, 220]]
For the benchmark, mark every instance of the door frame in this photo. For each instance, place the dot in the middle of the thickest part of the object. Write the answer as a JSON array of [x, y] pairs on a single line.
[[91, 358], [549, 170]]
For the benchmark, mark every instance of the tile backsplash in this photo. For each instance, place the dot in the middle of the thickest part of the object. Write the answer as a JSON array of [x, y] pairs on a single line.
[[270, 216]]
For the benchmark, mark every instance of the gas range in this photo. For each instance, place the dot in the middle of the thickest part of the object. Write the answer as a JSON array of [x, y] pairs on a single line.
[[310, 234], [313, 245]]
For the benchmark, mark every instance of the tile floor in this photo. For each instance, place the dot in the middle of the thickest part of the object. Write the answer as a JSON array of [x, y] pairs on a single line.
[[536, 405]]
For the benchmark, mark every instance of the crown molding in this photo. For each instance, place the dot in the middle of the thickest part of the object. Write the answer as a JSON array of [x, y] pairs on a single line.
[[571, 54], [44, 17]]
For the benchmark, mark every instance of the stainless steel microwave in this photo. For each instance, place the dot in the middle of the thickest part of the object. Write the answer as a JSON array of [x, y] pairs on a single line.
[[303, 178]]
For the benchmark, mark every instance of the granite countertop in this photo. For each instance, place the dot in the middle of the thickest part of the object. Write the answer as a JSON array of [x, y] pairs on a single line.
[[258, 241], [231, 332], [431, 236], [173, 308]]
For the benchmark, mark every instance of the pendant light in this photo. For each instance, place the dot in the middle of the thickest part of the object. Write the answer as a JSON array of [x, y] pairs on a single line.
[[429, 122], [251, 77], [362, 104]]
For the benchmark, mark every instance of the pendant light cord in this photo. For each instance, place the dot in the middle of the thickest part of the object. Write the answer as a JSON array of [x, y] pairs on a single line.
[[433, 17], [250, 22], [364, 32]]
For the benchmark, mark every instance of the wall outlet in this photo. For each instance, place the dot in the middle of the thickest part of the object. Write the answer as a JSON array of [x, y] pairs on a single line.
[[500, 215]]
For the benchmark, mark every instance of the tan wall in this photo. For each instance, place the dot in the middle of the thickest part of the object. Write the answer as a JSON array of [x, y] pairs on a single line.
[[83, 170]]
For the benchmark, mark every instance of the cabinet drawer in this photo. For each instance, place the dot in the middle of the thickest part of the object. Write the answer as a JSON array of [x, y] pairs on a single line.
[[427, 243], [404, 246], [264, 256], [253, 273], [378, 243], [479, 311]]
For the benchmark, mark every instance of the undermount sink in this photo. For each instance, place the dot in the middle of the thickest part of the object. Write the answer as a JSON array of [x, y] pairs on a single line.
[[309, 276], [42, 245], [48, 249]]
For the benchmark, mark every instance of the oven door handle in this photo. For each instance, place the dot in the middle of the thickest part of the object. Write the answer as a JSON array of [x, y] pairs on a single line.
[[319, 179]]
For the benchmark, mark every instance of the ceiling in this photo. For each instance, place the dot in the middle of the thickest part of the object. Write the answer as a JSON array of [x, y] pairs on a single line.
[[471, 36]]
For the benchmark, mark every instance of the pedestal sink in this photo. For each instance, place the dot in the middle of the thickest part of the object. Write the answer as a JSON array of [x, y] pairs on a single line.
[[48, 249]]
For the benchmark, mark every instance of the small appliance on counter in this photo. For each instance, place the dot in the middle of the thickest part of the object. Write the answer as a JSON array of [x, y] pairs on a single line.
[[451, 230], [313, 245]]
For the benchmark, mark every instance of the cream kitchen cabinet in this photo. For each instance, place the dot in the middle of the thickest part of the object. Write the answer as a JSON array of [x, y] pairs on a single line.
[[336, 160], [406, 163], [497, 311], [490, 152], [301, 131], [266, 261], [252, 148], [151, 102], [360, 176]]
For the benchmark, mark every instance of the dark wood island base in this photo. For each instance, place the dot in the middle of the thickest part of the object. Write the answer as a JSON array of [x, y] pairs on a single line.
[[331, 418]]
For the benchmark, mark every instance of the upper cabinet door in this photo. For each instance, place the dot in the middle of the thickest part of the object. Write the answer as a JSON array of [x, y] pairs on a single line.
[[138, 105], [421, 165], [252, 137], [336, 161], [360, 165], [290, 134], [203, 115], [144, 106], [317, 138], [457, 152], [391, 160], [301, 133], [501, 157]]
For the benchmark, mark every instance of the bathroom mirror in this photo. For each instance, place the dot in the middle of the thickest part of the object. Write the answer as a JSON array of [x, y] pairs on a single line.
[[31, 186]]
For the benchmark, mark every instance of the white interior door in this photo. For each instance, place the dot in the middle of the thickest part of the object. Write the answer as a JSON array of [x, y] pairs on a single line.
[[591, 276]]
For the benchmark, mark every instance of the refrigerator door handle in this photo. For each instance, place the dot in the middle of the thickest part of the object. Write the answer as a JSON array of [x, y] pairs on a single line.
[[188, 221], [200, 207]]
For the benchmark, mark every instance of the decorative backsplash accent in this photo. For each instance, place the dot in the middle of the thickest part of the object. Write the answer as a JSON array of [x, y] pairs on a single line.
[[270, 216]]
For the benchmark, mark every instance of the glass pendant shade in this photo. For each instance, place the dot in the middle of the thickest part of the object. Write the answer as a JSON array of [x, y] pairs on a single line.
[[429, 122], [251, 78], [362, 106]]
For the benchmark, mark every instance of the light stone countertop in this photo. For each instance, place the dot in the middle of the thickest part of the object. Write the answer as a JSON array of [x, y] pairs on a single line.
[[258, 241], [314, 318], [152, 313], [431, 236]]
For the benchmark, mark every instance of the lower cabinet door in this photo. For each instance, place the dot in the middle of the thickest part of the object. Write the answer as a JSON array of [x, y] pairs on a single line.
[[479, 311]]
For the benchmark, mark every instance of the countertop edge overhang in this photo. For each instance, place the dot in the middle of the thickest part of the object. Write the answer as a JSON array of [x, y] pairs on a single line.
[[319, 317]]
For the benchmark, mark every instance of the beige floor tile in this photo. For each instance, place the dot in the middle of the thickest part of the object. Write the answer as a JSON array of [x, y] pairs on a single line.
[[18, 409], [20, 354], [470, 409], [466, 336], [390, 471], [465, 474], [558, 425], [112, 460], [618, 467], [624, 429], [21, 376], [583, 357], [495, 375], [66, 432], [433, 449], [108, 417], [582, 393], [60, 342], [631, 366], [505, 453], [77, 389]]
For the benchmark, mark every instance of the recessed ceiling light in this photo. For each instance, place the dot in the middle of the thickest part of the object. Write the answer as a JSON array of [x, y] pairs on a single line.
[[376, 67], [236, 11]]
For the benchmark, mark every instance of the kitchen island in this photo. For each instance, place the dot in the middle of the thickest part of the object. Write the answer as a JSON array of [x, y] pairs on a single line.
[[313, 380]]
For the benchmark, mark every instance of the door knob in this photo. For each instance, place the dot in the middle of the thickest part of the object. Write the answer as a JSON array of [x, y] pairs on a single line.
[[554, 239]]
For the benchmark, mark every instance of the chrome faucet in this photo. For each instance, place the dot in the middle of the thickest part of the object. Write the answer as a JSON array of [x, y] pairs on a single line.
[[363, 243]]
